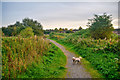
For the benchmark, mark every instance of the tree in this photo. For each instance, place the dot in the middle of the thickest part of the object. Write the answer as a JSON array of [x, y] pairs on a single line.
[[60, 29], [80, 28], [100, 26], [71, 30], [7, 30], [66, 29], [15, 29], [36, 26], [56, 30], [27, 32]]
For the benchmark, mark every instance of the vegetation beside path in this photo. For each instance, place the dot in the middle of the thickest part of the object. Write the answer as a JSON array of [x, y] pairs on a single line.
[[31, 58], [103, 55], [86, 64]]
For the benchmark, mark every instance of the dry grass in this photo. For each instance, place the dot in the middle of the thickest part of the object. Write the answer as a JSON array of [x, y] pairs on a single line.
[[18, 53]]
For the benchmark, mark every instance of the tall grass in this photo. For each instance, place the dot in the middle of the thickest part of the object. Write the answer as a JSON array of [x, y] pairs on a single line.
[[33, 57], [18, 53]]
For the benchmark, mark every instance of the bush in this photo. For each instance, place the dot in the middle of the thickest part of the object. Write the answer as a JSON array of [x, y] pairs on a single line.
[[28, 32], [51, 35]]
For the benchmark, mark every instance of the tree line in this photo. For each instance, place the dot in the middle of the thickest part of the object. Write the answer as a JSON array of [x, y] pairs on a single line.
[[61, 30], [100, 27], [15, 29]]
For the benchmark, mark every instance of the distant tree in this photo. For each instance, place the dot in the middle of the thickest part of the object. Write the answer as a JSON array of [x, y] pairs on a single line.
[[60, 30], [100, 26], [56, 30], [66, 29], [71, 30], [80, 28], [27, 32]]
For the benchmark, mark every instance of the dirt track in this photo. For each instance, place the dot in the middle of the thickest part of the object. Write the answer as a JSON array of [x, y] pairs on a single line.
[[73, 70]]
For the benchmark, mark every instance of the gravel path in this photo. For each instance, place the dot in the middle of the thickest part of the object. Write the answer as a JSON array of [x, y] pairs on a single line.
[[74, 70]]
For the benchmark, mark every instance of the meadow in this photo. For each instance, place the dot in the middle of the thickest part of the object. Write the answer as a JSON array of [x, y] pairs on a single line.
[[103, 54], [33, 57]]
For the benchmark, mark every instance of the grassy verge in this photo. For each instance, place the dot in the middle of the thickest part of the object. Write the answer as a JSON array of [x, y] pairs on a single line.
[[103, 55], [89, 68], [32, 58], [51, 65]]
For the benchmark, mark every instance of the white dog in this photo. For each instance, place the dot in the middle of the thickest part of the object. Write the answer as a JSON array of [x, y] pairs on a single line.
[[76, 60]]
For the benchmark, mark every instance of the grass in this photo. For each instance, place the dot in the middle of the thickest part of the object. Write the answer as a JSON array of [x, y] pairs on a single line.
[[103, 55], [31, 58], [52, 66], [86, 64]]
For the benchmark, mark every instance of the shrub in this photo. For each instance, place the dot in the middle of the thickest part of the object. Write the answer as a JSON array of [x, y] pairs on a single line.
[[51, 35], [28, 32]]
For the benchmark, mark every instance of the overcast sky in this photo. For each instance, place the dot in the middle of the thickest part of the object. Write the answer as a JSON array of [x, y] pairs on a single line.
[[57, 14]]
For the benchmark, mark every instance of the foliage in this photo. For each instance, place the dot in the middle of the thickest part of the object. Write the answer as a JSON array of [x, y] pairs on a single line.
[[1, 33], [60, 30], [66, 29], [28, 32], [51, 34], [80, 28], [100, 26], [83, 33], [56, 30], [46, 32], [71, 30], [14, 30], [51, 65], [102, 54], [24, 58], [36, 26]]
